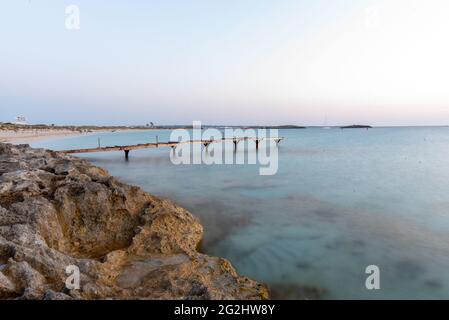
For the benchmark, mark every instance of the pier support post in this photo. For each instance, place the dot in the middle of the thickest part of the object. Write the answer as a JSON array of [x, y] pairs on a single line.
[[257, 144], [126, 154], [206, 144]]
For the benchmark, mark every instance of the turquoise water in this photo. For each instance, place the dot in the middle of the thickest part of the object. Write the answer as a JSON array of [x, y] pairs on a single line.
[[341, 200]]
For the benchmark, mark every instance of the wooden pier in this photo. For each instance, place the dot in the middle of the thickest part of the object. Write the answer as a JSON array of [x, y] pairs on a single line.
[[170, 144]]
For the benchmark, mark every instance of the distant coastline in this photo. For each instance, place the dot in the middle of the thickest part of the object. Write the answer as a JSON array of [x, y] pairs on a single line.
[[26, 133]]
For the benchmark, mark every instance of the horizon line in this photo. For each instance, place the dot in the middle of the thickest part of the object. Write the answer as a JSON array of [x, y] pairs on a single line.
[[224, 125]]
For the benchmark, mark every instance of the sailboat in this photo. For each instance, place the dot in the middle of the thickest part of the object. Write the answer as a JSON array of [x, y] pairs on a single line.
[[325, 124]]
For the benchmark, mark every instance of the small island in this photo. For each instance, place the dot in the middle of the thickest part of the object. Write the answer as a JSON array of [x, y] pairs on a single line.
[[356, 126]]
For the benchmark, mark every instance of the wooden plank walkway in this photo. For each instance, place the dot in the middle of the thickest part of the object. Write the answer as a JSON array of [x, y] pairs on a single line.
[[171, 144]]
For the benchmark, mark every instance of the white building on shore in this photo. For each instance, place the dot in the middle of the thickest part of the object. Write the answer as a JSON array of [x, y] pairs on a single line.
[[21, 120]]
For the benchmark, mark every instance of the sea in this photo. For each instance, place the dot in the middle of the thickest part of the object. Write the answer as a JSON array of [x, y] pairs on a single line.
[[350, 214]]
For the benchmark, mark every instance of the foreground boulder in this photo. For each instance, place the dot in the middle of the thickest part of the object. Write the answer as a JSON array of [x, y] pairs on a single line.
[[58, 211]]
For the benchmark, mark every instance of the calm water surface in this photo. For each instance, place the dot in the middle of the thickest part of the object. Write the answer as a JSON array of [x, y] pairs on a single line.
[[341, 200]]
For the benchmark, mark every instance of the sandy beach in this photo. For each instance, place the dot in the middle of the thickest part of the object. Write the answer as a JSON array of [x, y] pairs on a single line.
[[28, 136]]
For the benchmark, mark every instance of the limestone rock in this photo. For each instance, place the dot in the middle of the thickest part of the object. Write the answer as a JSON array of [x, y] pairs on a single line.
[[58, 211]]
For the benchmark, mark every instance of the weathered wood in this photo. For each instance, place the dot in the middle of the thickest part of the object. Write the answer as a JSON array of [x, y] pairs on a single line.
[[172, 144]]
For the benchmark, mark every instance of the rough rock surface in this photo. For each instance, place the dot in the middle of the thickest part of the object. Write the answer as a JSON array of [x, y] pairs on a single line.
[[57, 211]]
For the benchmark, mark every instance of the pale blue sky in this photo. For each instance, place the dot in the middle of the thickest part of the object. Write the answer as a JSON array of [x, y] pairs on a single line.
[[381, 62]]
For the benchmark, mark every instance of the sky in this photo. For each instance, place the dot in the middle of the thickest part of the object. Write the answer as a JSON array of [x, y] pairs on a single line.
[[302, 62]]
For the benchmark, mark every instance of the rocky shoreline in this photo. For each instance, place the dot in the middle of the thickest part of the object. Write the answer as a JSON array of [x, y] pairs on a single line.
[[58, 211]]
